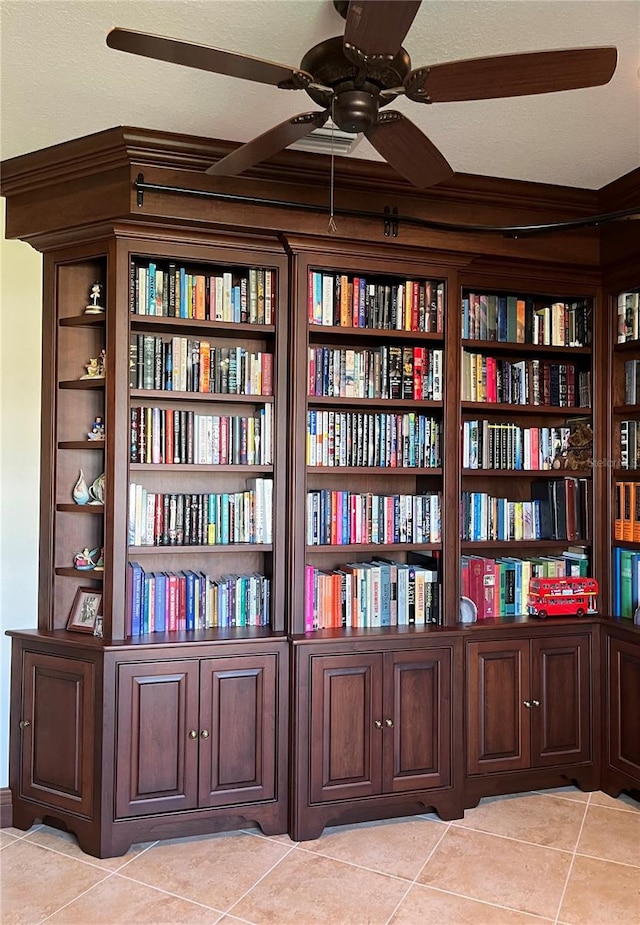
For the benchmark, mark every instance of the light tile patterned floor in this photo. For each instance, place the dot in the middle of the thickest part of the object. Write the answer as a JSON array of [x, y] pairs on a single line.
[[561, 857]]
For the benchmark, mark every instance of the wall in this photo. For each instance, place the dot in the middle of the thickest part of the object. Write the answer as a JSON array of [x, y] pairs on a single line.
[[20, 352]]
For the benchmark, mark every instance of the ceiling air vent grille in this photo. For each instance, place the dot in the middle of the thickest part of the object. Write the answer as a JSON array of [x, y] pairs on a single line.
[[327, 139]]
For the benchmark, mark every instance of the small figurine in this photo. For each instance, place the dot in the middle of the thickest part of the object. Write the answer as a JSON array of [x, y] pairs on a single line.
[[97, 626], [94, 308], [97, 430], [84, 561], [102, 360], [96, 490], [95, 367], [98, 556], [80, 492]]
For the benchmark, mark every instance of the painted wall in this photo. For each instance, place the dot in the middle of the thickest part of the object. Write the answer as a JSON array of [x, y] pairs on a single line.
[[20, 376]]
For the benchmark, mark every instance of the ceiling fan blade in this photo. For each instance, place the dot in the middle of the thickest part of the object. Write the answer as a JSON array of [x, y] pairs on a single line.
[[262, 147], [408, 150], [206, 58], [512, 75], [378, 27]]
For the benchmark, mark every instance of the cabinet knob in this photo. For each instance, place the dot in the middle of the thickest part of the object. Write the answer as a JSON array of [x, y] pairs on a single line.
[[389, 723], [193, 734], [204, 734], [24, 723], [527, 704], [378, 723], [536, 703]]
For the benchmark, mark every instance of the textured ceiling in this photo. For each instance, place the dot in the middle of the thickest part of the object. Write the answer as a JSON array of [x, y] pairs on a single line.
[[60, 81]]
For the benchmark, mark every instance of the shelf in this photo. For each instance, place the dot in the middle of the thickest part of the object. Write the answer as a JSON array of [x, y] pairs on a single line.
[[470, 545], [374, 470], [215, 548], [83, 384], [511, 347], [196, 467], [83, 321], [487, 408], [528, 473], [626, 475], [159, 323], [89, 574], [375, 547], [81, 445], [80, 508], [629, 346], [626, 544], [319, 332], [169, 395], [410, 403], [626, 409]]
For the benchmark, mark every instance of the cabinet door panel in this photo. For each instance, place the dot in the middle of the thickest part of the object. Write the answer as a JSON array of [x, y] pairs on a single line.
[[57, 745], [624, 697], [498, 723], [157, 759], [346, 746], [239, 709], [418, 744], [561, 685]]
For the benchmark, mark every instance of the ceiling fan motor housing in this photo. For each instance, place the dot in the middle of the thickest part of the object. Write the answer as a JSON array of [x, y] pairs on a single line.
[[355, 110]]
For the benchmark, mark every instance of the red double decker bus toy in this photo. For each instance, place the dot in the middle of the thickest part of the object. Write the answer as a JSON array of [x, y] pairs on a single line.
[[555, 597]]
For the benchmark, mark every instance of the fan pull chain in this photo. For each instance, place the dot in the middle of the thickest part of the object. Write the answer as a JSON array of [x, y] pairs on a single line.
[[332, 222]]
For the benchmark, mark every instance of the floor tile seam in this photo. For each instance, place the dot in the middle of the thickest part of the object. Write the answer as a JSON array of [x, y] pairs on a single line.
[[430, 855], [484, 902], [622, 808], [70, 857], [571, 863], [521, 841], [370, 870], [562, 796], [616, 809], [108, 876], [259, 880], [598, 857], [137, 854], [269, 838], [160, 889]]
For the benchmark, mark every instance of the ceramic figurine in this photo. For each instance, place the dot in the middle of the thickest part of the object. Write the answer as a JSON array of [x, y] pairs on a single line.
[[97, 556], [93, 369], [80, 491], [97, 626], [94, 307], [96, 490], [97, 430], [84, 561]]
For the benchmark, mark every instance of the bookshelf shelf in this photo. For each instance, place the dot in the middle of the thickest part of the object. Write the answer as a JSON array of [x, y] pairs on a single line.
[[198, 467], [373, 547], [167, 395], [512, 347], [629, 346], [86, 509], [85, 574], [320, 332], [529, 545], [83, 321], [387, 403], [374, 470], [489, 408], [81, 445], [83, 384], [626, 409], [526, 473], [193, 326], [213, 549]]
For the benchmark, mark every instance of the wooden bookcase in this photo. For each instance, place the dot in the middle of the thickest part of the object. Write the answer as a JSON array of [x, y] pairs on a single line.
[[305, 719]]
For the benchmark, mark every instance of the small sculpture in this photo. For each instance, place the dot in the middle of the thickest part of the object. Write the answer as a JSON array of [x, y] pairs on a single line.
[[97, 430], [95, 293], [95, 367], [80, 493], [84, 560], [97, 626], [96, 490], [98, 556]]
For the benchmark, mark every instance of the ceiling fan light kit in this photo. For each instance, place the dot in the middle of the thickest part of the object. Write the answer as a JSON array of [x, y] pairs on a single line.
[[355, 75]]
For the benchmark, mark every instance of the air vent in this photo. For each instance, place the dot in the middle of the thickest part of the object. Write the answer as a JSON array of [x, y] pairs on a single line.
[[327, 139]]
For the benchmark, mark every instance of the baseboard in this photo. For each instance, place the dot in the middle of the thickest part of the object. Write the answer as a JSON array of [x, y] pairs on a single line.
[[6, 808]]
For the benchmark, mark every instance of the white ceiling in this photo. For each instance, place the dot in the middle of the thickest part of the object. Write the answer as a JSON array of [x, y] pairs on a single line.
[[60, 81]]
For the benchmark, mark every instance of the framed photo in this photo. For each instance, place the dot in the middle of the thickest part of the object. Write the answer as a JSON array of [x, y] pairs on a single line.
[[87, 605]]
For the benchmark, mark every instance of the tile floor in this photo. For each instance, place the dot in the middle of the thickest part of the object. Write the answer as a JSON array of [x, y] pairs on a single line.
[[561, 856]]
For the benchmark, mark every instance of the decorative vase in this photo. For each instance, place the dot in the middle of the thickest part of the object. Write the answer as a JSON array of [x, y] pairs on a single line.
[[80, 491], [96, 490]]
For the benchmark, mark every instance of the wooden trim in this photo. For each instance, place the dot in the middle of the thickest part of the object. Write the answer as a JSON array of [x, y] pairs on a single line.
[[6, 808]]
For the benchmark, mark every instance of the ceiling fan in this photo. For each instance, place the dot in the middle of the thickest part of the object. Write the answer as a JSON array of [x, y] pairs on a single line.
[[355, 75]]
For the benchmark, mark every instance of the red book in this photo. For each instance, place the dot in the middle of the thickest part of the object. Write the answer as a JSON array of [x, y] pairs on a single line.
[[418, 372], [266, 369]]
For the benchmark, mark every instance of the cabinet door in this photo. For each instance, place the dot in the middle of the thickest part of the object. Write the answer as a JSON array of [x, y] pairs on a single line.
[[57, 713], [624, 696], [561, 700], [157, 734], [417, 720], [498, 722], [346, 726], [238, 729]]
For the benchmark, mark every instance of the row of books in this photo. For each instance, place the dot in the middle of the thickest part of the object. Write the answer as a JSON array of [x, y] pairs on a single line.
[[630, 444], [489, 445], [632, 382], [626, 523], [558, 510], [525, 382], [500, 587], [340, 518], [515, 319], [628, 316], [172, 602], [356, 438], [210, 519], [337, 299], [626, 581], [371, 594], [394, 372], [246, 295], [181, 364], [170, 436]]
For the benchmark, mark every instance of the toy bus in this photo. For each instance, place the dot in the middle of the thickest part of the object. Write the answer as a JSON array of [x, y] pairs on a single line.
[[553, 597]]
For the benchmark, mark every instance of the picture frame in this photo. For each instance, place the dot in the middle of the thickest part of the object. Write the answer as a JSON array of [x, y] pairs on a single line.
[[87, 605]]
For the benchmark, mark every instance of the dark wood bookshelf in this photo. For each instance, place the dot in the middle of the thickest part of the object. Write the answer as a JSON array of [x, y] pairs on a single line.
[[527, 473], [319, 332], [198, 467], [81, 508], [85, 574], [81, 445], [82, 384], [488, 408], [375, 470], [213, 548], [168, 325], [170, 395], [83, 321], [374, 547], [364, 403], [539, 350], [470, 545]]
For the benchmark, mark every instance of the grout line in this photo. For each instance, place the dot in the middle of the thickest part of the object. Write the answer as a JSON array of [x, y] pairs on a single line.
[[83, 893], [159, 889], [522, 841], [597, 857], [259, 880], [370, 870], [484, 902], [430, 855], [573, 858], [88, 859]]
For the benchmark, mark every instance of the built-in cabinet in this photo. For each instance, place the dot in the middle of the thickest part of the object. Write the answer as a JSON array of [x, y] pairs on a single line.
[[621, 670]]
